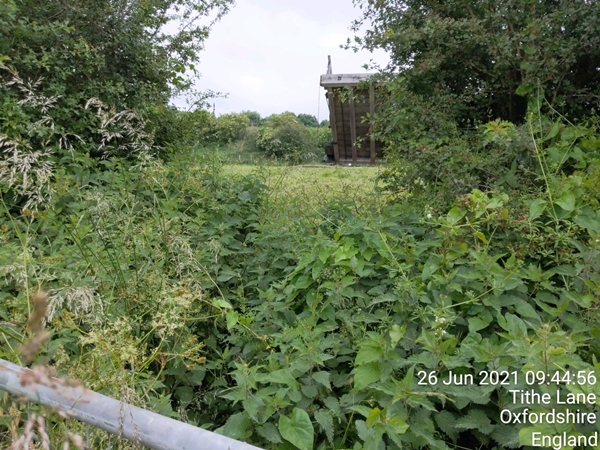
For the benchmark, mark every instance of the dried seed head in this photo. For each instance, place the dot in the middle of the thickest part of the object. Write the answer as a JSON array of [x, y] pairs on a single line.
[[36, 326]]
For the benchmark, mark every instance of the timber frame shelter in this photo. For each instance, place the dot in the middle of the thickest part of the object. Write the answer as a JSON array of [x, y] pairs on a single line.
[[351, 101]]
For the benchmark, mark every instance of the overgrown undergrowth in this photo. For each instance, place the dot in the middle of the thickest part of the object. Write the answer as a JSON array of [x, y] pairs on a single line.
[[290, 311]]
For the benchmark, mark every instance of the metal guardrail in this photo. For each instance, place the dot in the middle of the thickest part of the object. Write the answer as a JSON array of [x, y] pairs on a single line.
[[148, 428]]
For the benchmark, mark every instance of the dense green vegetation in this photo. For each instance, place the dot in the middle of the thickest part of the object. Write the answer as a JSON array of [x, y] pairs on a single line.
[[304, 311]]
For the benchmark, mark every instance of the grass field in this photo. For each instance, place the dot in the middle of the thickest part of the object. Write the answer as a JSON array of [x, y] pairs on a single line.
[[312, 187]]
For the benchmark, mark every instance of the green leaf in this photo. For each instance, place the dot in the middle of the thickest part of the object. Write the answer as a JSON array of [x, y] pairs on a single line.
[[524, 89], [396, 425], [481, 237], [324, 255], [322, 378], [366, 375], [333, 404], [566, 201], [447, 423], [362, 410], [481, 321], [370, 351], [232, 319], [396, 333], [297, 429], [237, 427], [253, 405], [309, 390], [585, 301], [431, 266], [475, 419], [526, 310], [269, 432], [553, 131], [282, 376], [454, 215], [302, 282], [536, 208], [221, 303], [325, 421]]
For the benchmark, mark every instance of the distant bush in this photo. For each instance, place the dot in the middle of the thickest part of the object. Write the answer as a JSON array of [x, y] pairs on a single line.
[[255, 119], [173, 129], [308, 120], [282, 136], [321, 136], [231, 127]]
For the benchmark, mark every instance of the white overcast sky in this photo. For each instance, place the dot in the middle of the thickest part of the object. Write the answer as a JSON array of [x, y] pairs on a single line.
[[268, 55]]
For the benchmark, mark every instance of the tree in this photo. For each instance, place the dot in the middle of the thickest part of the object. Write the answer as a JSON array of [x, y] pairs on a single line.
[[480, 60], [308, 120], [254, 117], [128, 54], [231, 127]]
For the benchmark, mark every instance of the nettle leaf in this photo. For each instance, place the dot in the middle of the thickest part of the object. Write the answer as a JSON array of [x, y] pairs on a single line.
[[447, 423], [322, 378], [397, 426], [333, 404], [253, 405], [363, 431], [282, 376], [232, 318], [477, 420], [297, 429], [370, 350], [270, 433], [366, 375], [237, 427], [396, 333], [325, 421], [309, 390], [585, 301], [324, 255], [526, 310], [361, 409]]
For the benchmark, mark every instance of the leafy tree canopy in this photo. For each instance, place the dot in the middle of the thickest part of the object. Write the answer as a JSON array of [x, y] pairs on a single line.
[[308, 120], [254, 117], [480, 59], [128, 54]]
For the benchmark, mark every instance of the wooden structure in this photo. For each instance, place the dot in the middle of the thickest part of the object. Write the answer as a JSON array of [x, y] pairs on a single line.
[[351, 102]]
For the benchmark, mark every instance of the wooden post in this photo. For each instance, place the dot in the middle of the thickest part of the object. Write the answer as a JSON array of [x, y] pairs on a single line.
[[371, 114], [353, 126], [332, 124]]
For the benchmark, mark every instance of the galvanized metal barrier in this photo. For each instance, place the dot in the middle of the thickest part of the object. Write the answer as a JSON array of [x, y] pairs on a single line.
[[149, 429]]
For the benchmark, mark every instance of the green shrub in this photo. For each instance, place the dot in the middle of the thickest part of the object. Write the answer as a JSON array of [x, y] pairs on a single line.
[[321, 136], [307, 120], [282, 136], [174, 129], [231, 127], [255, 119]]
